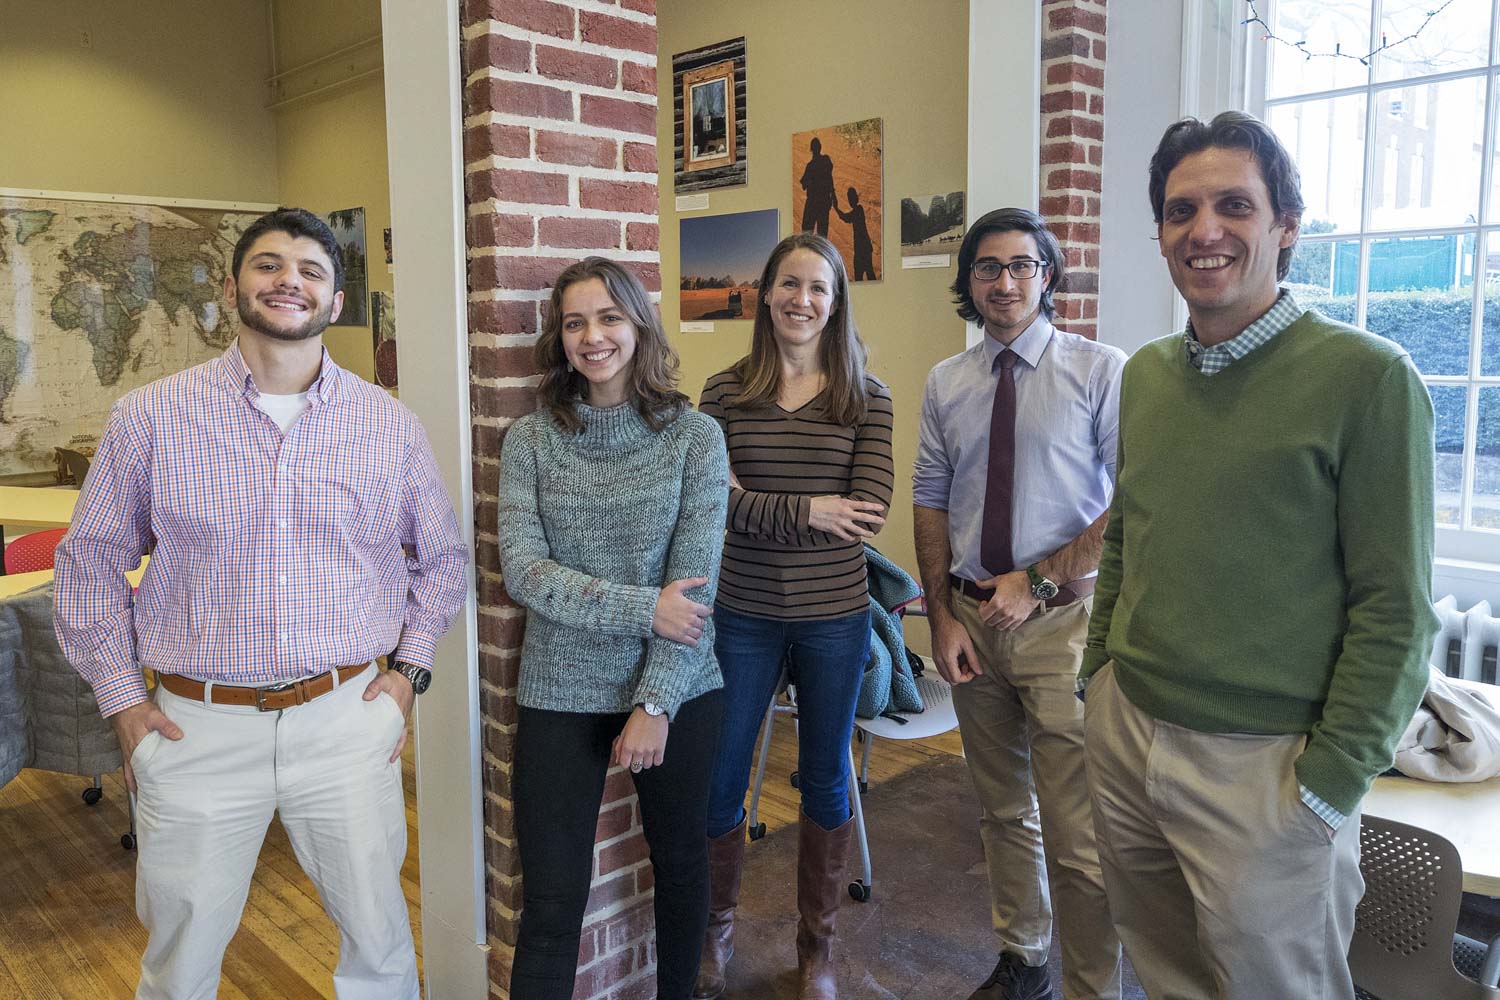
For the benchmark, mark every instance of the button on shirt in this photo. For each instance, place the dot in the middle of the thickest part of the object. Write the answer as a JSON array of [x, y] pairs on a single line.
[[1067, 422], [272, 555]]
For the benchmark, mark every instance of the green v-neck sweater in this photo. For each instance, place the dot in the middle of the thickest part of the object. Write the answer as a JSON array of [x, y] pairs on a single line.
[[1267, 565]]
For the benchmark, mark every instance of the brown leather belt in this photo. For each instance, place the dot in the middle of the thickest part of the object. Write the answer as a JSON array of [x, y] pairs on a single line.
[[268, 699], [1075, 591]]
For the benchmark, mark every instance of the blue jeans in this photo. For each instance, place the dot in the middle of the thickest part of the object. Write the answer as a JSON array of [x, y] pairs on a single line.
[[827, 663]]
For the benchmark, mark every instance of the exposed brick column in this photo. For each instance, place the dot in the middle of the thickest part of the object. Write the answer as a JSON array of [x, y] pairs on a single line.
[[1072, 146], [560, 162]]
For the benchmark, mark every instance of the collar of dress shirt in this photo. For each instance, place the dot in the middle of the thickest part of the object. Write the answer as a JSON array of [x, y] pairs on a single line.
[[1030, 345], [1281, 315], [232, 364]]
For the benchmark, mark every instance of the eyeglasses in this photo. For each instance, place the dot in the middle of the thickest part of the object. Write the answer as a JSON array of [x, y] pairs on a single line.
[[989, 270]]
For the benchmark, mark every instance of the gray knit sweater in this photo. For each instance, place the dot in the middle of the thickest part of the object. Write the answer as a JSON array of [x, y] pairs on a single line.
[[592, 525]]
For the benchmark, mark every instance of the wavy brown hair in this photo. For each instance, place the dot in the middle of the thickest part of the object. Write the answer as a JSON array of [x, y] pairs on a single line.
[[653, 368], [841, 352]]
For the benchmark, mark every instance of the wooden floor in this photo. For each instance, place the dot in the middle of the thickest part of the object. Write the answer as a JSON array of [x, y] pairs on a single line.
[[68, 929]]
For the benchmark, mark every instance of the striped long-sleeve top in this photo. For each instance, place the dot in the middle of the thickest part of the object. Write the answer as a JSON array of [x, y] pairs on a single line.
[[775, 565]]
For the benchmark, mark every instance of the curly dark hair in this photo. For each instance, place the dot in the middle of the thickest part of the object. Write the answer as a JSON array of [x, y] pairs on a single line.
[[1232, 130], [653, 368], [1008, 220]]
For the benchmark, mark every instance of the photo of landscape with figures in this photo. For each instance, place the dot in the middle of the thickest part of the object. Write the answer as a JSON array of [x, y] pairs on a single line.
[[96, 299], [721, 260], [932, 224]]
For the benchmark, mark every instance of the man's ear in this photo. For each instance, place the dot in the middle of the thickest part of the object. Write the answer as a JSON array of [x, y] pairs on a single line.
[[338, 305], [229, 290], [1292, 225]]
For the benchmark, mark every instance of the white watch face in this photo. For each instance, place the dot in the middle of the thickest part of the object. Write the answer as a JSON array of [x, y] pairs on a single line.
[[653, 710]]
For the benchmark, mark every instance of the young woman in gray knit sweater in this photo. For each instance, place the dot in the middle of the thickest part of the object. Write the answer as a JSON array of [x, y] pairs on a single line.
[[611, 524], [809, 433]]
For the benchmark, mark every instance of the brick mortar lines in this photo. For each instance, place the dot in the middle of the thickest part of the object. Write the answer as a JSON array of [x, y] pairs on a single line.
[[489, 26], [583, 170], [617, 92]]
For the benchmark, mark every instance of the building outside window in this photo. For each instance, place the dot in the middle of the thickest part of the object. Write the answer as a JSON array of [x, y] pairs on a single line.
[[1401, 234]]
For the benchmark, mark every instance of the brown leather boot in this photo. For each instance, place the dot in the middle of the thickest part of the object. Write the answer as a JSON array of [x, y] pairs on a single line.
[[726, 859], [821, 859]]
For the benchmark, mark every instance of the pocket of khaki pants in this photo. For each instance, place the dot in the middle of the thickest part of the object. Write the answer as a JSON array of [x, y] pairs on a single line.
[[145, 750]]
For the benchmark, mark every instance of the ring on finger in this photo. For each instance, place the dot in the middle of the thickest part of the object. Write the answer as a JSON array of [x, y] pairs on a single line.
[[635, 765]]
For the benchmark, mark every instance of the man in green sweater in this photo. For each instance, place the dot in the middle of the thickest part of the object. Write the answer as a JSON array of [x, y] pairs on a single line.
[[1263, 617]]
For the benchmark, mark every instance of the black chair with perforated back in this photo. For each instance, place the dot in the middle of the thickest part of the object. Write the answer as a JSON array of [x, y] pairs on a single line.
[[1405, 942]]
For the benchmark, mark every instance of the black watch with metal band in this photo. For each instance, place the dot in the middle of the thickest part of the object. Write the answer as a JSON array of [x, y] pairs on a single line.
[[420, 677], [1042, 588]]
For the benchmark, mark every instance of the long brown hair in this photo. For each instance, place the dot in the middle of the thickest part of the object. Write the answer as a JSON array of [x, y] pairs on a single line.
[[841, 352], [653, 368]]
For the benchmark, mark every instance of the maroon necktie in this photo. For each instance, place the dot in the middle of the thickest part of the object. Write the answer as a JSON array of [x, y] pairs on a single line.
[[994, 532]]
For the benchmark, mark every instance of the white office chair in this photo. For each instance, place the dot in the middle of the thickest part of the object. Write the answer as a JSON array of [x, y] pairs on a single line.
[[936, 718]]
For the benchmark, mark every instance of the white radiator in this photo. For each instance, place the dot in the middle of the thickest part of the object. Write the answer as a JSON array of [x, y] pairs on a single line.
[[1467, 641]]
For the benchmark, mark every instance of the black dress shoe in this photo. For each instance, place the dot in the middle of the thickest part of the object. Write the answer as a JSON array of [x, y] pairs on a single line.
[[1013, 979]]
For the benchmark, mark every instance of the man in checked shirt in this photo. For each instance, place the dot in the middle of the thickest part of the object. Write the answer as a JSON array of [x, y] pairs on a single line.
[[298, 529]]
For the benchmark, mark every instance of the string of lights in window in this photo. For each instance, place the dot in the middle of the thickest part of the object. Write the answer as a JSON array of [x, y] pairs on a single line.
[[1338, 53]]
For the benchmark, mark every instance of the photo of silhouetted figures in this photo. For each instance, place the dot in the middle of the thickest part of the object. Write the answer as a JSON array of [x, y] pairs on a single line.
[[709, 133], [841, 158]]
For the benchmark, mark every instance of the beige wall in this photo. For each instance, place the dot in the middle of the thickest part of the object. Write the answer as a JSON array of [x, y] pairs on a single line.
[[815, 64], [162, 98], [332, 145]]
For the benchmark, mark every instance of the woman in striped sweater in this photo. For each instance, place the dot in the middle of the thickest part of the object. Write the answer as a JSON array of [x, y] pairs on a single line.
[[809, 436]]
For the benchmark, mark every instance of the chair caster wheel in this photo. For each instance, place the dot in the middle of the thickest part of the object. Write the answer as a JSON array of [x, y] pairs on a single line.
[[795, 779], [859, 892], [91, 796], [864, 788], [127, 841], [757, 831]]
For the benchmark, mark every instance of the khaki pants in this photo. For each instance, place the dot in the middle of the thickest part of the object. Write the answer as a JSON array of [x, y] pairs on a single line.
[[1022, 730], [203, 807], [1223, 884]]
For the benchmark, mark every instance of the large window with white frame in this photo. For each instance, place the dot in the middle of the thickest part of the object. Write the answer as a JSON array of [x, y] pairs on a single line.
[[1401, 234]]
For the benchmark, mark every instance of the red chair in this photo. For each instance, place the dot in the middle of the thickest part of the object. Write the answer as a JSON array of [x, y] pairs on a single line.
[[32, 552]]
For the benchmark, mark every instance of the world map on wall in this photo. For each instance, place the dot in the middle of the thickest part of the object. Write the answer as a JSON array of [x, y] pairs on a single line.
[[97, 299]]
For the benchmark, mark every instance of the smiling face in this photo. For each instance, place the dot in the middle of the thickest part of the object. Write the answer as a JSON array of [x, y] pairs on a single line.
[[800, 297], [598, 340], [1221, 239], [284, 290], [1008, 305]]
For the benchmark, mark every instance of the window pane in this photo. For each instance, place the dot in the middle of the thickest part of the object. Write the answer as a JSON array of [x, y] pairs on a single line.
[[1485, 511], [1489, 347], [1457, 38], [1427, 151], [1449, 404], [1324, 26], [1327, 141], [1421, 297], [1325, 277]]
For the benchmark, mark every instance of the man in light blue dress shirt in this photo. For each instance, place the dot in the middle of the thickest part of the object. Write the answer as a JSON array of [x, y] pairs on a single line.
[[1010, 637]]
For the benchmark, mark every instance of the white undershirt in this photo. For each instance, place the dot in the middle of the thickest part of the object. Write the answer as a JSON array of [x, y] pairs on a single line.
[[283, 409]]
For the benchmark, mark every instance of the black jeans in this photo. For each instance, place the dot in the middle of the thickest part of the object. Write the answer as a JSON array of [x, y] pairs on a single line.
[[560, 763]]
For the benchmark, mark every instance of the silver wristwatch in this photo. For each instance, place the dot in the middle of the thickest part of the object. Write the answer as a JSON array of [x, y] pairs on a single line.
[[653, 709]]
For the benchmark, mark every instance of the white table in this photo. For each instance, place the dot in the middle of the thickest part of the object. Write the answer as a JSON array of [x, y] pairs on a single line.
[[17, 583], [1466, 813]]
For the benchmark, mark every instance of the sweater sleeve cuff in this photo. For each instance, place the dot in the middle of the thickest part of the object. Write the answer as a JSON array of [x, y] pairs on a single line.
[[1332, 776], [1094, 657], [637, 609]]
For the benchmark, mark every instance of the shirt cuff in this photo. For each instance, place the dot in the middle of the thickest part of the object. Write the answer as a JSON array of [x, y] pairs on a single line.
[[1326, 812], [417, 649], [117, 693]]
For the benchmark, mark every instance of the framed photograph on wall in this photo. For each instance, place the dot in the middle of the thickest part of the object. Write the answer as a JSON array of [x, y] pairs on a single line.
[[709, 116], [836, 191]]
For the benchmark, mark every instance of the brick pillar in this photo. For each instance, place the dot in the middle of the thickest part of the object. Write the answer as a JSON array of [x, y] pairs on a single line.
[[1072, 146], [560, 162]]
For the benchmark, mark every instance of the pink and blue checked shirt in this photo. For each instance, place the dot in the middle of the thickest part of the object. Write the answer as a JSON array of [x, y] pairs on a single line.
[[272, 556]]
